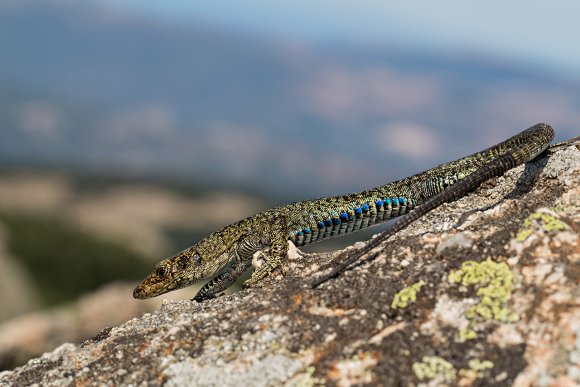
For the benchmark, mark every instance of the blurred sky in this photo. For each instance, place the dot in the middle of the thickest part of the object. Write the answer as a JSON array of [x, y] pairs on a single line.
[[303, 96], [540, 33]]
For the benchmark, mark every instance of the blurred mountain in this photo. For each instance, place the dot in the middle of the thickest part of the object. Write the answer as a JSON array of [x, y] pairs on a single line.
[[94, 87]]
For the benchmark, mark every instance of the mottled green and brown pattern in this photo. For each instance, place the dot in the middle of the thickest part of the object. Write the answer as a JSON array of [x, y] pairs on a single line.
[[262, 240]]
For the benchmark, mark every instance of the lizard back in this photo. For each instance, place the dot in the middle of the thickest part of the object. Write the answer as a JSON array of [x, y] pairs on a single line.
[[319, 219]]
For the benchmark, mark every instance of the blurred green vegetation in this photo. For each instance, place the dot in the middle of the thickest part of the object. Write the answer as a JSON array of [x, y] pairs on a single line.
[[64, 261]]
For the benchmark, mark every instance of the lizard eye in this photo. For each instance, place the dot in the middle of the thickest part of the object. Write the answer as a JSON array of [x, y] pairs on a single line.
[[161, 272], [197, 260]]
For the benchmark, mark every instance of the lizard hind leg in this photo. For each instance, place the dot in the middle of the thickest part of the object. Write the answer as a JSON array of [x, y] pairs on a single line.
[[259, 258], [272, 256], [264, 263], [222, 281]]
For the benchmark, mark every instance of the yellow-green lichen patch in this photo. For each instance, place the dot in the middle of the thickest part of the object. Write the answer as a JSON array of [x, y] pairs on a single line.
[[495, 281], [407, 295], [539, 220], [467, 334], [432, 367], [476, 369], [479, 365]]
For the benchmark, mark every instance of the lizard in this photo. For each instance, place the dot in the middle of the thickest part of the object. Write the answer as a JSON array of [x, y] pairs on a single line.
[[261, 240]]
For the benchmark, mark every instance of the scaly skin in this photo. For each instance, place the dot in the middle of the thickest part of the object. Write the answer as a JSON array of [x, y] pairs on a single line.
[[263, 237]]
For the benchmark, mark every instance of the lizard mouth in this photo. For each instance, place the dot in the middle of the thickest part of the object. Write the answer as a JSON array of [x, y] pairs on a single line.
[[141, 292], [149, 290], [145, 290]]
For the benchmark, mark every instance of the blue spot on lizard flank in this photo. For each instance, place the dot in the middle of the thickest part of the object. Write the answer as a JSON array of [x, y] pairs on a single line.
[[320, 224], [403, 201], [328, 222], [337, 221], [358, 210], [365, 207], [395, 201], [379, 203], [344, 216], [299, 233], [307, 230]]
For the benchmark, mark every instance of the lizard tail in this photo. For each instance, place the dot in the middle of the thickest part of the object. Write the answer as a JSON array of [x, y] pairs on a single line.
[[519, 149]]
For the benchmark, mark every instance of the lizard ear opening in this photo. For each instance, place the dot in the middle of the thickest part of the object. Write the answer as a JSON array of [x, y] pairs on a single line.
[[197, 260]]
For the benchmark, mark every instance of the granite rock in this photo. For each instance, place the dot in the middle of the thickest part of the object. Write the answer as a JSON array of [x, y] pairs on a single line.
[[491, 290]]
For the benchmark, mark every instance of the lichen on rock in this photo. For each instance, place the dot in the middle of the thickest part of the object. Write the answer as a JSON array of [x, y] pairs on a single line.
[[407, 295], [540, 220], [495, 286], [431, 367]]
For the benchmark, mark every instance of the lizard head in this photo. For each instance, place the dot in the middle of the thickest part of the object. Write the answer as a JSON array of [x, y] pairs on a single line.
[[172, 273], [200, 261]]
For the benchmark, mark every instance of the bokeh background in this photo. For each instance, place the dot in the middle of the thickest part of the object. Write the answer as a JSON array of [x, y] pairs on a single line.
[[131, 129]]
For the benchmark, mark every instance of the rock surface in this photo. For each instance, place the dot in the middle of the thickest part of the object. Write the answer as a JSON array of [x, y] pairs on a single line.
[[31, 334], [484, 290]]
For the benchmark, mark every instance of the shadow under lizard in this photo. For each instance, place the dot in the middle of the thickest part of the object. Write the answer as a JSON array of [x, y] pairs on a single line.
[[261, 240]]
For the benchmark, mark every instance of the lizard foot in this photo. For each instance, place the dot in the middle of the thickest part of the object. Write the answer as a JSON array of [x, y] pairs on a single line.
[[265, 267]]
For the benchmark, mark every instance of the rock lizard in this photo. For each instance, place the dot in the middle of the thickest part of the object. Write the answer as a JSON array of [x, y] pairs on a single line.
[[261, 240]]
